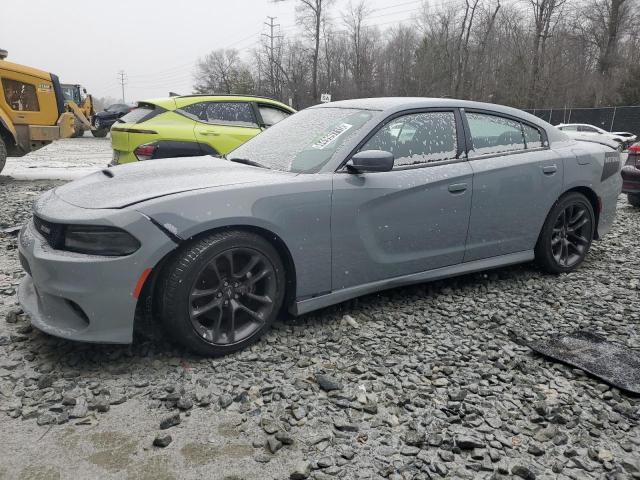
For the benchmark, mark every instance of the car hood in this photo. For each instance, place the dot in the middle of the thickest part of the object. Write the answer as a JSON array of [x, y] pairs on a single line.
[[125, 185]]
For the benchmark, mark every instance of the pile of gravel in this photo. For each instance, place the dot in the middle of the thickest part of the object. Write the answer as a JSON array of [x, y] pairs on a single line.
[[414, 383]]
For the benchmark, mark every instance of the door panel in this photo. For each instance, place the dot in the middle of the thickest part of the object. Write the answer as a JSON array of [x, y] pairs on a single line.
[[224, 138], [512, 195], [400, 222]]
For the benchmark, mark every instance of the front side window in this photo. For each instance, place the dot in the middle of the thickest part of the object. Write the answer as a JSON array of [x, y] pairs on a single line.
[[221, 113], [418, 138], [491, 134], [20, 96], [586, 128], [271, 116]]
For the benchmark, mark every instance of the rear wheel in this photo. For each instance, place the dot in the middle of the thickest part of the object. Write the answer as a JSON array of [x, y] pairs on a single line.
[[566, 235], [634, 199], [221, 292], [78, 132], [3, 154], [100, 133]]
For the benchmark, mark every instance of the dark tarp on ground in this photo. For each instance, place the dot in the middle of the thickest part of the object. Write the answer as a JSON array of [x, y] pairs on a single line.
[[613, 363]]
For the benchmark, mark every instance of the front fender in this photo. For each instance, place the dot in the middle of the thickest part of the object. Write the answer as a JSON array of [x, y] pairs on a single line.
[[297, 211]]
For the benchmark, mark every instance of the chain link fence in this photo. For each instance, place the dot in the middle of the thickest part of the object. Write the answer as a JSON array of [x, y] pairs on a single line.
[[612, 119]]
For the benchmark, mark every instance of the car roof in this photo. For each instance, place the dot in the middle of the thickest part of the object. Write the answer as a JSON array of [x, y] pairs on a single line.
[[394, 104], [183, 100]]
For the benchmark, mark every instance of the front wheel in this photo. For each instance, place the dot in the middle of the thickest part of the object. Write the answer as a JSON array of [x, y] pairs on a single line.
[[221, 292], [632, 198], [566, 235], [100, 133]]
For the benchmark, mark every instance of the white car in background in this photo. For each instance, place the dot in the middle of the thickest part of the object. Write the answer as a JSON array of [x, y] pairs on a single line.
[[585, 131]]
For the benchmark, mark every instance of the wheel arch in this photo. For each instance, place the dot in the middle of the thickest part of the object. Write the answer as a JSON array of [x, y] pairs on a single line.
[[149, 288]]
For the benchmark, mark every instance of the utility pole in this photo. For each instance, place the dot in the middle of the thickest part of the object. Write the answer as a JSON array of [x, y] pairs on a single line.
[[271, 36], [122, 78]]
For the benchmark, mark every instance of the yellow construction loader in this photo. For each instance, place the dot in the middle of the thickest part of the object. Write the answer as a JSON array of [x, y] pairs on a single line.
[[80, 104], [32, 110]]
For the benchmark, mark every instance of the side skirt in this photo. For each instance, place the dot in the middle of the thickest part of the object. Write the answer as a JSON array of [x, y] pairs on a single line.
[[310, 304]]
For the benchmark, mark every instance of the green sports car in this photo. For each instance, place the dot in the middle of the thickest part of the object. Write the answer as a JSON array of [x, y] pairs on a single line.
[[192, 125]]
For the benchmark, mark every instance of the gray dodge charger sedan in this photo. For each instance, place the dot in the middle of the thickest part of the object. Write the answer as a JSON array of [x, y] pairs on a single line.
[[337, 201]]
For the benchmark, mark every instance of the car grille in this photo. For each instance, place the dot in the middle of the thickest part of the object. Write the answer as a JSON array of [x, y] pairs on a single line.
[[52, 232]]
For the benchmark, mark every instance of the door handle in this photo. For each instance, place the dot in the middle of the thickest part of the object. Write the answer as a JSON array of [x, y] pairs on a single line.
[[549, 169], [457, 187], [213, 133]]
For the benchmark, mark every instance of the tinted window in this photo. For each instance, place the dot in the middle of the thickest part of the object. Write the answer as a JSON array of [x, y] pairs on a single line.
[[572, 128], [585, 128], [417, 138], [137, 114], [20, 96], [223, 113], [532, 136], [271, 115], [493, 134]]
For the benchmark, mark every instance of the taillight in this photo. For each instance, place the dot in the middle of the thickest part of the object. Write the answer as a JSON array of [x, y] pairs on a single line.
[[145, 152], [634, 155]]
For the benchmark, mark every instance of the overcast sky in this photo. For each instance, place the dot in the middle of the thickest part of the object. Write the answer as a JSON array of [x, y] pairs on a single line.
[[156, 42]]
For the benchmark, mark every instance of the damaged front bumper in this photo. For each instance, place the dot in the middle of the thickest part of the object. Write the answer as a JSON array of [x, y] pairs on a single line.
[[85, 297]]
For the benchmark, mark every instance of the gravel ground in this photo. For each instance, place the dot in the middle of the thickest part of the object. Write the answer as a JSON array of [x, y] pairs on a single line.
[[414, 383]]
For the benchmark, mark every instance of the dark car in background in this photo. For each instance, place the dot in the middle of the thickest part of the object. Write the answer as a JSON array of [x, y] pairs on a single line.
[[631, 175], [102, 121]]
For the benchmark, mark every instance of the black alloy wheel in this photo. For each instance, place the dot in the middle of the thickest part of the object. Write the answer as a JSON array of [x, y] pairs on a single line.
[[567, 234], [232, 296], [221, 292], [570, 238]]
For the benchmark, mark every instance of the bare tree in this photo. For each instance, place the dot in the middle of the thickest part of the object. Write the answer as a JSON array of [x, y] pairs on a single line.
[[222, 71], [544, 14], [539, 53], [312, 13]]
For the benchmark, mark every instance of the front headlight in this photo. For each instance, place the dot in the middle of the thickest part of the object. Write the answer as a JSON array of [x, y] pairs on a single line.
[[99, 240]]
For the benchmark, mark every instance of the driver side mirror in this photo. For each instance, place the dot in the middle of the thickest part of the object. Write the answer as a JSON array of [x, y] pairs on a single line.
[[371, 161]]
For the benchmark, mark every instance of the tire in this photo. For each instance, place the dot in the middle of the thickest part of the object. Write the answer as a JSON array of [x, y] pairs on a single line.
[[3, 154], [100, 133], [569, 228], [632, 198], [199, 298], [78, 132]]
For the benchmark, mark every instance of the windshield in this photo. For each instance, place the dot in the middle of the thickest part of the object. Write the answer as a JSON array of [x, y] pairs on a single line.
[[304, 142]]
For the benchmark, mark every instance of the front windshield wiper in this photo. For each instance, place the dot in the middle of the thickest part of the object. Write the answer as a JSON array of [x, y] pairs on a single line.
[[246, 161]]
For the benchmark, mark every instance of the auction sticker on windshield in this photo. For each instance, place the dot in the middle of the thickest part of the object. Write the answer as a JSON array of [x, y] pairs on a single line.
[[331, 136]]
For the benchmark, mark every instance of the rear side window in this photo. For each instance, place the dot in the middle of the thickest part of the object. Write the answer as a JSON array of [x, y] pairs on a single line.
[[417, 138], [585, 128], [20, 96], [222, 113], [139, 114], [492, 134], [271, 115], [532, 136], [571, 128]]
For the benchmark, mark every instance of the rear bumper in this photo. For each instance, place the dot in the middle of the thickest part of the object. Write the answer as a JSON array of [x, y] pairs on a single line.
[[630, 179]]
